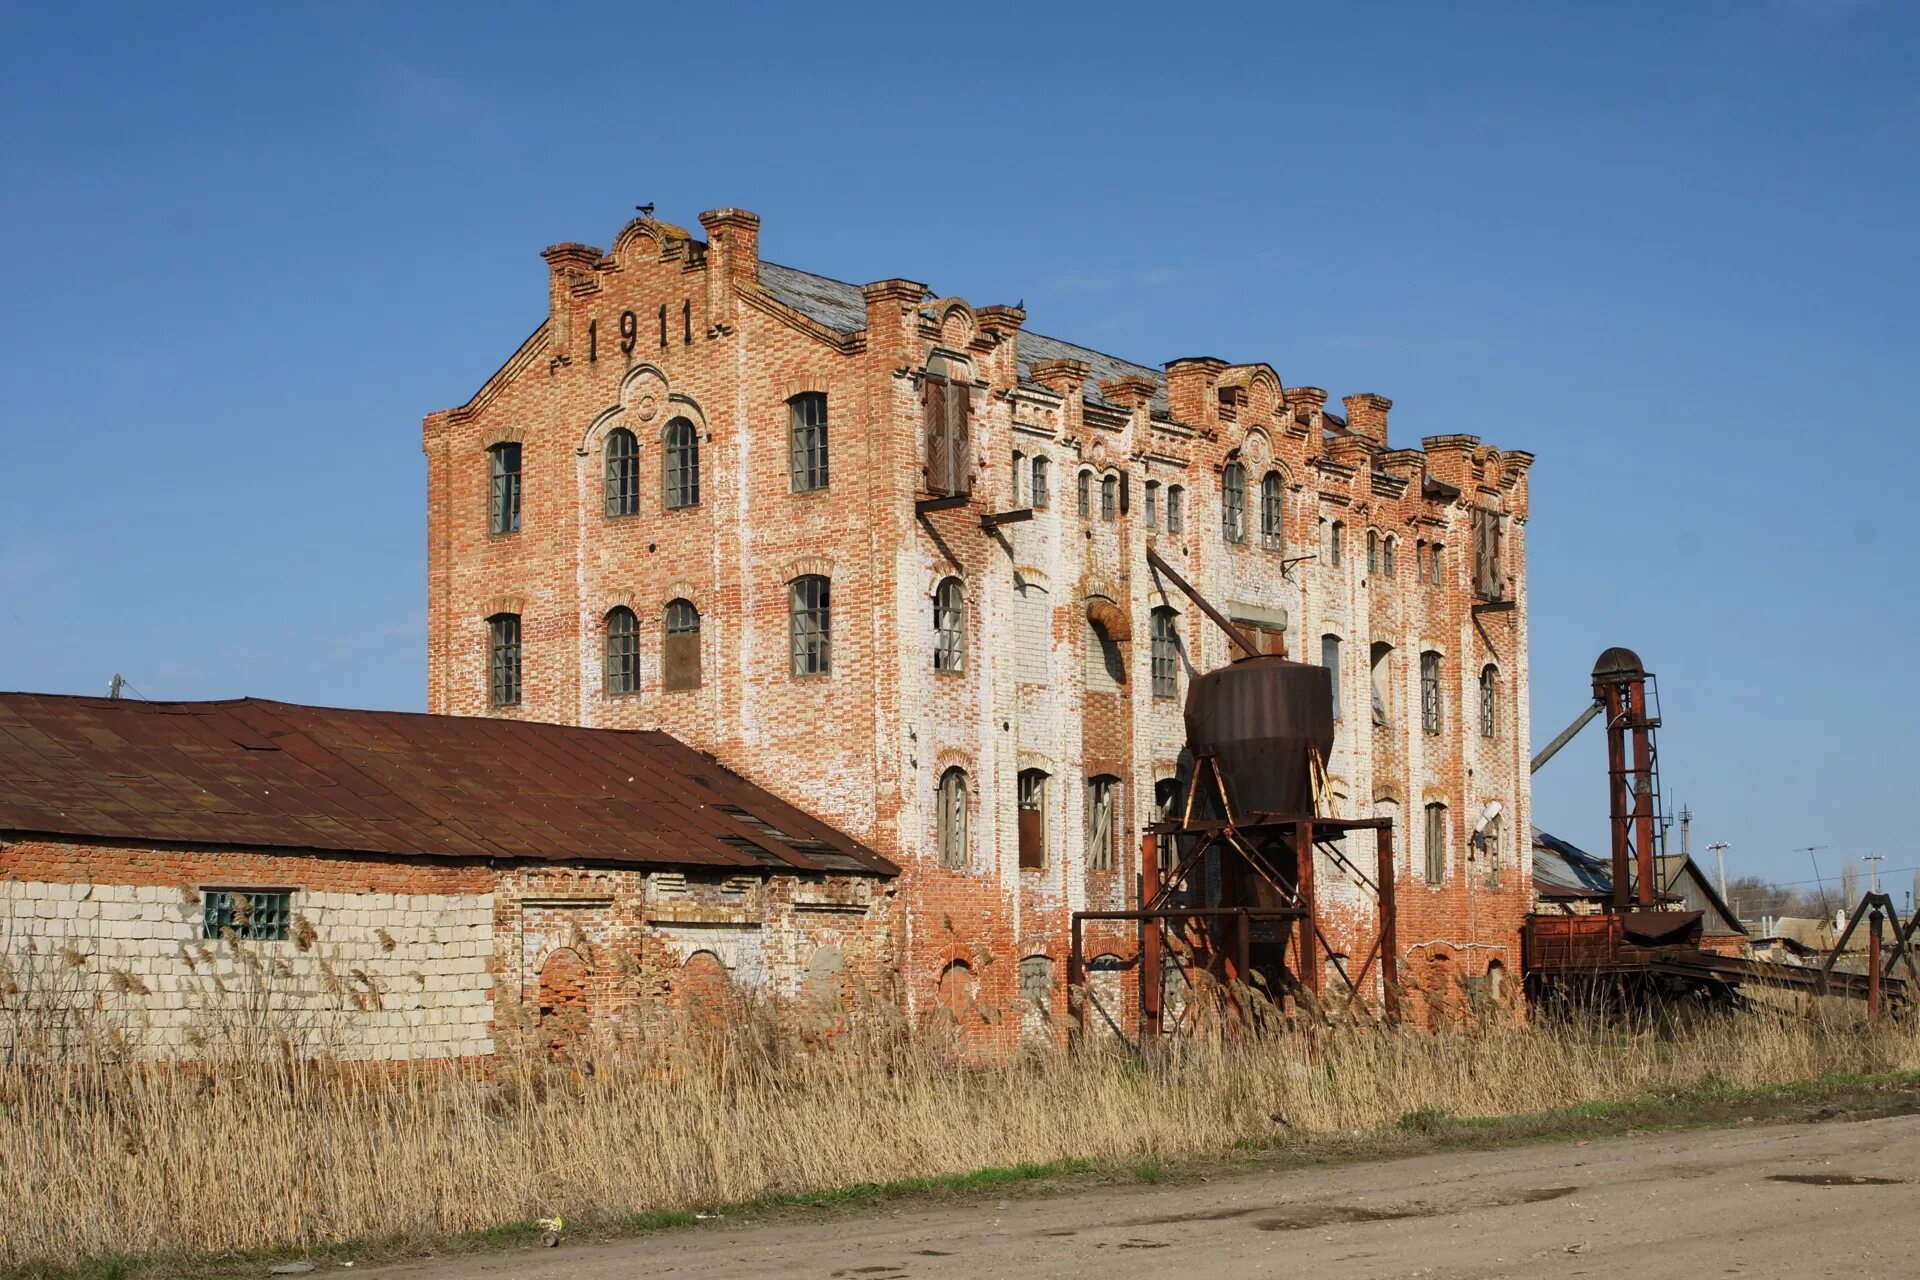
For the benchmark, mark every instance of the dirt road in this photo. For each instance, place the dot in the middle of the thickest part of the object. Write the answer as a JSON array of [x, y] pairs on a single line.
[[1801, 1200]]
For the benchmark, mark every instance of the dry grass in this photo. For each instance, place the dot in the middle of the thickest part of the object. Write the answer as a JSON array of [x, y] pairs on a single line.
[[257, 1151]]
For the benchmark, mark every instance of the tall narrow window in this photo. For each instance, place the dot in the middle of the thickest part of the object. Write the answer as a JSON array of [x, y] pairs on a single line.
[[1019, 477], [1084, 494], [1336, 543], [503, 633], [810, 619], [1152, 498], [1373, 552], [1033, 632], [1166, 654], [1489, 701], [1386, 556], [1101, 793], [1109, 497], [1430, 691], [1041, 498], [1490, 850], [1436, 843], [949, 626], [680, 647], [807, 460], [503, 501], [1381, 677], [1272, 513], [1420, 560], [681, 459], [623, 473], [1233, 503], [1433, 561], [1176, 509], [947, 395], [1033, 819], [950, 818], [623, 651], [1330, 659]]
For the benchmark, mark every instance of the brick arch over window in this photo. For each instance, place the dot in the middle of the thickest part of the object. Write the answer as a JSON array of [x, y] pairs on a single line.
[[641, 406], [705, 992]]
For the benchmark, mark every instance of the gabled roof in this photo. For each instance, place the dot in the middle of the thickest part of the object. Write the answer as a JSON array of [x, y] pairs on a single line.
[[255, 773], [1563, 870], [842, 307]]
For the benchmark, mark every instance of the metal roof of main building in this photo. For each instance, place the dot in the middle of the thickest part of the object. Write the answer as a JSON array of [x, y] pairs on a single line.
[[256, 773]]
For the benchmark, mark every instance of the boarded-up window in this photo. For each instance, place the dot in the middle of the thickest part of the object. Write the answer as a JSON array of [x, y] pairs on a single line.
[[1102, 813], [948, 403], [1436, 843], [680, 647], [1033, 630], [950, 818], [1487, 582], [1490, 851], [1033, 819], [1106, 671]]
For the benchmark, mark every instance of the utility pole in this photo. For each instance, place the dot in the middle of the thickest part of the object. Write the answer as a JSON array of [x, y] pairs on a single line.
[[1810, 850], [1719, 850], [1876, 859], [119, 683]]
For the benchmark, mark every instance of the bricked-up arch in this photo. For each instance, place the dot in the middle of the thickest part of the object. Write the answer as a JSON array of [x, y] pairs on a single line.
[[958, 995], [1036, 1001], [565, 1011], [823, 992], [705, 992]]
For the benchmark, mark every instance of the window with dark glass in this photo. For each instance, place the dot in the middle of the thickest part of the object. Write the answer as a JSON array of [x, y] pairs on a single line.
[[680, 647], [1272, 513], [1176, 509], [1430, 691], [1084, 494], [623, 473], [1233, 503], [1040, 497], [504, 637], [681, 458], [623, 651], [1033, 819], [950, 818], [1166, 654], [1109, 497], [811, 625], [503, 503], [1373, 552], [949, 626], [1336, 542], [247, 915], [807, 459], [1386, 556]]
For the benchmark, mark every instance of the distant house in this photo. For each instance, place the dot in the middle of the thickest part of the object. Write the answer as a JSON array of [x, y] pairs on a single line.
[[1568, 879], [385, 885]]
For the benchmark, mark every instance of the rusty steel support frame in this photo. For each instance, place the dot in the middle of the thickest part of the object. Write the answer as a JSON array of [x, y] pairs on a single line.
[[1630, 787]]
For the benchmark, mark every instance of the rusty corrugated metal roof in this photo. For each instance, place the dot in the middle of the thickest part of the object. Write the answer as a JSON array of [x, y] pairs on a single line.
[[252, 772]]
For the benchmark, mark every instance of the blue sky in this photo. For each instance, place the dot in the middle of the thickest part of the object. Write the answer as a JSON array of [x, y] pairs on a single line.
[[1669, 248]]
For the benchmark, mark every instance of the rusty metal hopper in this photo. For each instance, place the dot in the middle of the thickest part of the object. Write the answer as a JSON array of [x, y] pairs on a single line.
[[1262, 719]]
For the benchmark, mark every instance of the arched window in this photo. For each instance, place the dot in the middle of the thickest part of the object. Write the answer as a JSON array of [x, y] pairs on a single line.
[[1430, 691], [503, 636], [1152, 497], [680, 647], [1176, 509], [1433, 562], [1489, 701], [1033, 819], [1084, 493], [1109, 497], [1490, 850], [623, 651], [950, 818], [1166, 653], [1272, 513], [1019, 477], [810, 625], [949, 626], [1381, 675], [623, 473], [1336, 543], [1233, 503], [1103, 794], [681, 458], [1436, 843], [1373, 552], [1330, 659], [807, 450], [1039, 496], [503, 496], [1386, 555]]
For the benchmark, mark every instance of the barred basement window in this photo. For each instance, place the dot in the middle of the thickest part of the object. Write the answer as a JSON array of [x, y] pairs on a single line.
[[504, 643], [1166, 654], [810, 625], [808, 460], [250, 915], [1436, 843], [1152, 499], [623, 651], [1101, 794], [1272, 513], [1233, 503], [1430, 691], [623, 473], [1032, 832], [1109, 497], [503, 504], [1040, 497], [949, 626], [1489, 701], [1176, 509], [680, 647], [950, 818], [681, 461], [1084, 494]]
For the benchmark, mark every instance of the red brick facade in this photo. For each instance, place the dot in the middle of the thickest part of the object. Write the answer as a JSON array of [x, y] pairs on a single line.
[[664, 328]]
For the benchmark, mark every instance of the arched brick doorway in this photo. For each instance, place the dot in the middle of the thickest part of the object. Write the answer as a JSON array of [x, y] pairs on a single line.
[[705, 992], [566, 1001]]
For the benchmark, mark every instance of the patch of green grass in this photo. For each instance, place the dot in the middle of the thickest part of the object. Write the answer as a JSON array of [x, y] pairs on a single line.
[[1149, 1170], [1425, 1120]]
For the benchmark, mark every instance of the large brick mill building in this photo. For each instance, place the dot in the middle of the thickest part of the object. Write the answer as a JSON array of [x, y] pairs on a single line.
[[884, 552]]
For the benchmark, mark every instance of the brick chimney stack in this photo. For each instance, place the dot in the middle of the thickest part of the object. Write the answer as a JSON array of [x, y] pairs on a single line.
[[733, 243], [567, 265], [1367, 416], [1190, 384]]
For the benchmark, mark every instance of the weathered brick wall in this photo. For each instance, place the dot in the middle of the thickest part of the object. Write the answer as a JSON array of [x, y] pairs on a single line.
[[865, 747]]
